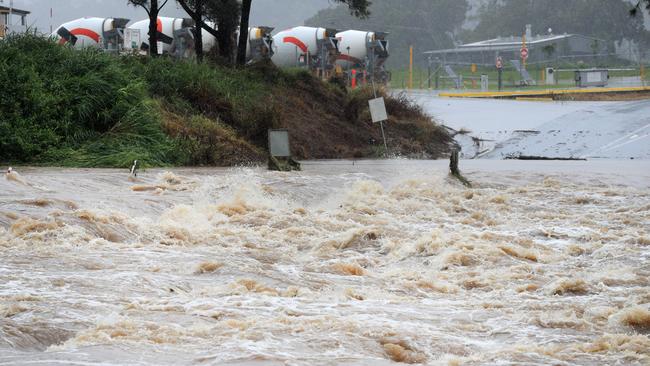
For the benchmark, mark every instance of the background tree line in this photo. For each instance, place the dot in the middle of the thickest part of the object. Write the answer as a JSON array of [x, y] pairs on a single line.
[[440, 24], [609, 20], [425, 24]]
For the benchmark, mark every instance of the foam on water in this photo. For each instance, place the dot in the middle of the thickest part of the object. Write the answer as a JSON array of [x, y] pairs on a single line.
[[374, 263]]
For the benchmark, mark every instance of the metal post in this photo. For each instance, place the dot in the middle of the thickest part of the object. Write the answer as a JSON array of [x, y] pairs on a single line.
[[500, 72], [429, 74], [410, 67], [10, 23], [523, 45], [349, 65], [438, 75], [323, 63], [374, 92]]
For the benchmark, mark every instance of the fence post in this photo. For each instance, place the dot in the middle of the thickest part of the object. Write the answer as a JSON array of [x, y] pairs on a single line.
[[455, 171]]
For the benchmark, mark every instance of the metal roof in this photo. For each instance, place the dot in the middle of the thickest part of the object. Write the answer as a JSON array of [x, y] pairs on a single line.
[[506, 44], [4, 9]]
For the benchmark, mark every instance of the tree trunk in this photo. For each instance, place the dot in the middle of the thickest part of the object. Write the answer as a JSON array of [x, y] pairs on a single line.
[[153, 28], [198, 32], [243, 32], [225, 41], [198, 19]]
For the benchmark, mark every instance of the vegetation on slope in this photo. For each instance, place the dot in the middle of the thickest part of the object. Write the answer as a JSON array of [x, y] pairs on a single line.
[[59, 106]]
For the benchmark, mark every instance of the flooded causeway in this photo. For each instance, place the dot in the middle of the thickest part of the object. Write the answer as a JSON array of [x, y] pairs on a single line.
[[371, 263]]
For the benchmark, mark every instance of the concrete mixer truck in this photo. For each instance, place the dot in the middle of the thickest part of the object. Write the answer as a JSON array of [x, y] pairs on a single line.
[[177, 38], [259, 45], [314, 48], [174, 35], [363, 52], [104, 33]]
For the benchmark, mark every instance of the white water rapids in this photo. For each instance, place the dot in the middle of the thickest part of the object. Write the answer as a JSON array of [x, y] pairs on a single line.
[[368, 264]]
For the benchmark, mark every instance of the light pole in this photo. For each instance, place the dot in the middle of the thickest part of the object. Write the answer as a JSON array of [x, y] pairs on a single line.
[[349, 61], [349, 65], [11, 12]]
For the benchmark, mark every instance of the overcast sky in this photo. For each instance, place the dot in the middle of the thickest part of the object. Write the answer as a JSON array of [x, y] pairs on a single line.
[[275, 13], [280, 14]]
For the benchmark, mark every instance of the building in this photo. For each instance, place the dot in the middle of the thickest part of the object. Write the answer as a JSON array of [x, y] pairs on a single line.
[[12, 20], [541, 48]]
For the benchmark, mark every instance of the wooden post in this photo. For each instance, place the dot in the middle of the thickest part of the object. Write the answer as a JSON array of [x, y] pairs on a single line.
[[453, 162], [455, 171]]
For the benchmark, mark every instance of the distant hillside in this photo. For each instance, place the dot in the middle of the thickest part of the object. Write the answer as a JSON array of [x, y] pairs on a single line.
[[609, 20], [425, 24]]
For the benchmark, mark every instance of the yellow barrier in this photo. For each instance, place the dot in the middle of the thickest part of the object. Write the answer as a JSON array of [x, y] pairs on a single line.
[[544, 93]]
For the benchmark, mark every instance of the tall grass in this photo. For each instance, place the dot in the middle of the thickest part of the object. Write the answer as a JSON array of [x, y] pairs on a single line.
[[66, 107]]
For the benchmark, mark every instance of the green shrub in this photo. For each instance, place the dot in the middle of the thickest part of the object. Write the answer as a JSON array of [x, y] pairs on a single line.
[[68, 107]]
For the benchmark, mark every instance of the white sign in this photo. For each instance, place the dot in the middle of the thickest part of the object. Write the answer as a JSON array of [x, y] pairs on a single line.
[[594, 77], [132, 39], [378, 110], [499, 63], [279, 143], [485, 83]]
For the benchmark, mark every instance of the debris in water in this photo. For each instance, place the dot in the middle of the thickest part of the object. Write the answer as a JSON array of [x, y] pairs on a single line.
[[13, 175], [351, 269], [637, 317], [570, 287], [26, 225], [401, 351], [208, 267]]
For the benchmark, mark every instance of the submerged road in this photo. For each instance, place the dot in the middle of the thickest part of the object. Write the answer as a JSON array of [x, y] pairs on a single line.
[[612, 130]]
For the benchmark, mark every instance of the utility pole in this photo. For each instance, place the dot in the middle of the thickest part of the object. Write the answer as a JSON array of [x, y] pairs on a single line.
[[429, 73], [349, 65], [523, 47], [499, 64], [374, 92], [11, 15]]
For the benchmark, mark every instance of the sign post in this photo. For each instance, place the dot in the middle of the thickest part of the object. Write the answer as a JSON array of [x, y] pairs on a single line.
[[280, 151], [524, 51], [378, 114], [485, 83], [500, 71]]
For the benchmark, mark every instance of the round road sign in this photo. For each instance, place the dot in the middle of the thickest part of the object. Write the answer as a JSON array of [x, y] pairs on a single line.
[[524, 53]]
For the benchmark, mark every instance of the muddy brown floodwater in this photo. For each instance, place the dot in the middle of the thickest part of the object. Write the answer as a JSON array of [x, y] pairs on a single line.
[[541, 263]]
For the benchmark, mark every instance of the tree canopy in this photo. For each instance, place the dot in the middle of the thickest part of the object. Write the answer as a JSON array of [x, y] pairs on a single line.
[[224, 14], [152, 8], [639, 5], [357, 8]]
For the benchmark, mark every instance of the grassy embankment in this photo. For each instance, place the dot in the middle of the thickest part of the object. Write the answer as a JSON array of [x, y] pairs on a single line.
[[64, 107]]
